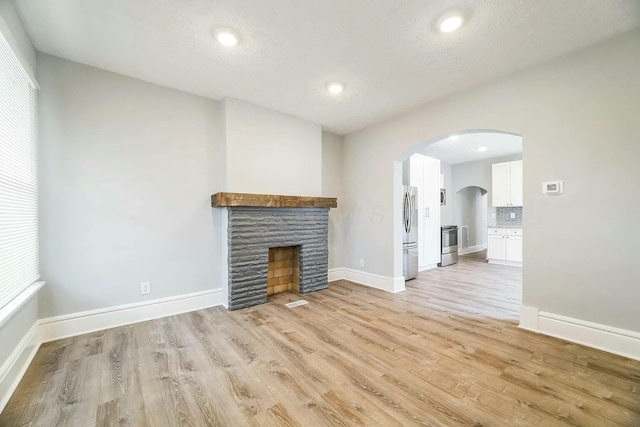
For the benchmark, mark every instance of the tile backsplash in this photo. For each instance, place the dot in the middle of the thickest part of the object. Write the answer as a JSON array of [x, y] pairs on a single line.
[[503, 216]]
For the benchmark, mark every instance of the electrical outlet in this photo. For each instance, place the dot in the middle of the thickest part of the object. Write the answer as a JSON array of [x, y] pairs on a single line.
[[513, 215], [145, 288], [361, 262]]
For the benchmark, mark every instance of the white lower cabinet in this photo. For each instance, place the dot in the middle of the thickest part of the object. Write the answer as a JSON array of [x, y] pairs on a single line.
[[513, 248], [496, 248], [504, 246]]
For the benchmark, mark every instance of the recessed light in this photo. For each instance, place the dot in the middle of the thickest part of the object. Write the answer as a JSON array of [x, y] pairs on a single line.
[[481, 149], [450, 22], [454, 137], [226, 37], [335, 87]]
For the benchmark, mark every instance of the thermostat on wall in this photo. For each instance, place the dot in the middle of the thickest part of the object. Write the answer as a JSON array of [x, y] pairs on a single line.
[[552, 187]]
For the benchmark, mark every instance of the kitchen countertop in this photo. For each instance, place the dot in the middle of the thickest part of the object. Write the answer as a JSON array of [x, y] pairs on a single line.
[[505, 226]]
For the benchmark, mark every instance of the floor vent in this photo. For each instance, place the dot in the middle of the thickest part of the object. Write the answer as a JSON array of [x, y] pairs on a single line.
[[296, 303], [463, 240]]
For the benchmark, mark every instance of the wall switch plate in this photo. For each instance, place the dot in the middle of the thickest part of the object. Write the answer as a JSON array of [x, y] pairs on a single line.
[[145, 288], [361, 262], [493, 215], [513, 215]]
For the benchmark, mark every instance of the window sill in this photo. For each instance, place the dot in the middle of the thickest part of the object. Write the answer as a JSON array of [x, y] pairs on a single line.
[[9, 310]]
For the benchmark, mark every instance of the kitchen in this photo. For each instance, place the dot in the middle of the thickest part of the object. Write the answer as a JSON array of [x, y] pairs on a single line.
[[466, 199]]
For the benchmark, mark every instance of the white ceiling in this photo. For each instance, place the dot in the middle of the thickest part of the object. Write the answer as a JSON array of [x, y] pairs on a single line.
[[462, 148], [387, 52]]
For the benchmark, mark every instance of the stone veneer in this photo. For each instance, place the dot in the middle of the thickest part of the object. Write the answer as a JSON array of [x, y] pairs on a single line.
[[253, 230]]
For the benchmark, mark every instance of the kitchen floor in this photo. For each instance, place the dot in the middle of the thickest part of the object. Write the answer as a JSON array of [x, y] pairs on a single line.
[[475, 256], [472, 286]]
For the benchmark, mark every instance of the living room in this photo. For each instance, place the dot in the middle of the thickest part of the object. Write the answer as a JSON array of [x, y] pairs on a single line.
[[134, 136]]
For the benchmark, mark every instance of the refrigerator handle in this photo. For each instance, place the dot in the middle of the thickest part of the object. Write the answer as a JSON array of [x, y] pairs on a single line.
[[414, 211], [406, 213]]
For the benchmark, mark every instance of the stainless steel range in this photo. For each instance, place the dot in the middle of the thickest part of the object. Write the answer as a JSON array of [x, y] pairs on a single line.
[[448, 245]]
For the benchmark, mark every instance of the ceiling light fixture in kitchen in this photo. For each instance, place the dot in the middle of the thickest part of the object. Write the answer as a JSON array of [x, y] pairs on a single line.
[[226, 37], [450, 22], [454, 137], [335, 88]]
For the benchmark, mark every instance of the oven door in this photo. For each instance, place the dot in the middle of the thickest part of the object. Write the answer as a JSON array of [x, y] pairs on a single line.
[[449, 240]]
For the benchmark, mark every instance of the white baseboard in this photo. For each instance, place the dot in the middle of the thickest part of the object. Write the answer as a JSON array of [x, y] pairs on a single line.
[[398, 284], [389, 284], [337, 274], [472, 249], [427, 267], [618, 341], [13, 369], [54, 328], [529, 318], [502, 262]]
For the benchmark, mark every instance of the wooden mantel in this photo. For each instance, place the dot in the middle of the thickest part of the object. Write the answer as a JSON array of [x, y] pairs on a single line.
[[220, 200]]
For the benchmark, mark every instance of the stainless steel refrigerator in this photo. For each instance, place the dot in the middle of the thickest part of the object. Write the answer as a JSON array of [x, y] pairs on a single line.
[[410, 232]]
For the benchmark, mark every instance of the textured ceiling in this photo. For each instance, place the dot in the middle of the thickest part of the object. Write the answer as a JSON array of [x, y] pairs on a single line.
[[462, 149], [387, 51]]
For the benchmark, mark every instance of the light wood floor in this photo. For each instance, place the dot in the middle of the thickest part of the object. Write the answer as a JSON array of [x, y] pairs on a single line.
[[476, 256], [445, 352]]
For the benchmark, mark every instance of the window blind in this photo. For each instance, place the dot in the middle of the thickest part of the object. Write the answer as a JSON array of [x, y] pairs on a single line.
[[18, 177]]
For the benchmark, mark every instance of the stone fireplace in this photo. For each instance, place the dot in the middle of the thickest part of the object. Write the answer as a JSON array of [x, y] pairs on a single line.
[[262, 228]]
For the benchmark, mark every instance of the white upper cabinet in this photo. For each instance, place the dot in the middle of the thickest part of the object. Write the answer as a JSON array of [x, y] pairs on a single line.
[[500, 184], [515, 183], [506, 184]]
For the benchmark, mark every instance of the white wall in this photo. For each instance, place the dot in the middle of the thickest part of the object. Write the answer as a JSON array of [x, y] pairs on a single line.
[[471, 210], [124, 189], [332, 187], [13, 30], [578, 117], [21, 322], [270, 152], [478, 173], [13, 357]]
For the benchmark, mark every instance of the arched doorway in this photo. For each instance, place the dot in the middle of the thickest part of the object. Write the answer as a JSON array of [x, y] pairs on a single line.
[[471, 213], [466, 161]]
